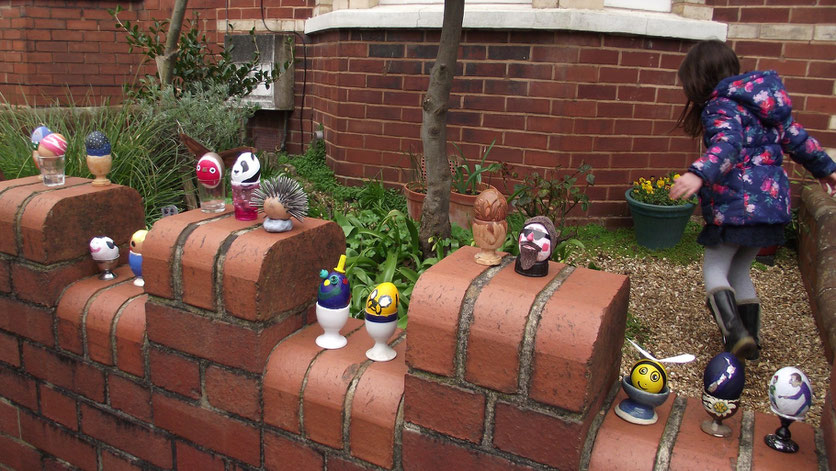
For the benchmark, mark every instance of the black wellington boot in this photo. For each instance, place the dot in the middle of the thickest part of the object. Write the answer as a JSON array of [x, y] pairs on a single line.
[[736, 338], [750, 315]]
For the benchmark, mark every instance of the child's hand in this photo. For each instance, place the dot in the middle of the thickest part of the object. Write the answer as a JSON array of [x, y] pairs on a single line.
[[685, 186], [828, 184]]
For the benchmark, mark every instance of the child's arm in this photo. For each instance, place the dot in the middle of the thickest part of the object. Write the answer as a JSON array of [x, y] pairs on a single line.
[[806, 150], [723, 135]]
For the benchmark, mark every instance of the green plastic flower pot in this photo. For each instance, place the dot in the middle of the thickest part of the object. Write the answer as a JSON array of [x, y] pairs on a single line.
[[658, 227]]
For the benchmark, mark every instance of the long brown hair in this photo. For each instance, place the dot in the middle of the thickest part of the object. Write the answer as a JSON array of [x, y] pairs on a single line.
[[705, 65]]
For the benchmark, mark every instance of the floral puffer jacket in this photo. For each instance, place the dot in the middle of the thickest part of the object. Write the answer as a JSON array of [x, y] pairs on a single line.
[[748, 126]]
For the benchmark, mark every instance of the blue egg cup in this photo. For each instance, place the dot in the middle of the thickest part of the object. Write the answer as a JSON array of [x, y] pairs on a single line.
[[640, 407]]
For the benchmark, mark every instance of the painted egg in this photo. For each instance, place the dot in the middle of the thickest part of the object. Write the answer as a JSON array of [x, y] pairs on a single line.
[[52, 145], [97, 144], [383, 301], [137, 240], [103, 248], [334, 291], [790, 393], [247, 169], [649, 376], [38, 134], [210, 170], [724, 377]]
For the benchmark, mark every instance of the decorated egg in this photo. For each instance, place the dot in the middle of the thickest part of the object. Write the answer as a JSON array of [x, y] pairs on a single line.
[[383, 302], [52, 145], [137, 240], [334, 291], [247, 169], [103, 248], [790, 393], [38, 134], [648, 375], [210, 170], [724, 377], [97, 144]]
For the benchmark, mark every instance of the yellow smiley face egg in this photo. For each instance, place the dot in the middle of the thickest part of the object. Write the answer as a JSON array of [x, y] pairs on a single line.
[[649, 376]]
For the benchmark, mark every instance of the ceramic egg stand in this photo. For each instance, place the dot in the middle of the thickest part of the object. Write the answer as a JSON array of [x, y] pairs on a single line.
[[99, 160], [332, 306], [135, 256]]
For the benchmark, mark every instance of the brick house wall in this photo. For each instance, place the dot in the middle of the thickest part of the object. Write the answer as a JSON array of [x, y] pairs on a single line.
[[548, 97]]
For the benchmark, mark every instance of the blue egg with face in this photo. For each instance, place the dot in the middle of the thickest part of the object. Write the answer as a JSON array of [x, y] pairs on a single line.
[[724, 377], [334, 291]]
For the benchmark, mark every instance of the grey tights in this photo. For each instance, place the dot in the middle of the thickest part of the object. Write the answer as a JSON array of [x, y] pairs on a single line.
[[727, 266]]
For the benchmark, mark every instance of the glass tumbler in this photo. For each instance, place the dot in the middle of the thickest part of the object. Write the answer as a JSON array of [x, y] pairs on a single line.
[[52, 169], [241, 193], [212, 199]]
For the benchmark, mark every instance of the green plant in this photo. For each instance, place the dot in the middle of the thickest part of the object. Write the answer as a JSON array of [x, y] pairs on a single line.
[[553, 197], [655, 191], [467, 179], [196, 66], [143, 158]]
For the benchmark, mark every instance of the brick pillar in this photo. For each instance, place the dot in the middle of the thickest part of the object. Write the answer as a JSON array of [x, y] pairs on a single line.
[[506, 371], [222, 294]]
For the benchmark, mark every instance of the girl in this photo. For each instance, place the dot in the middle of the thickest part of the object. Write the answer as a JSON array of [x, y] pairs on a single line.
[[747, 125]]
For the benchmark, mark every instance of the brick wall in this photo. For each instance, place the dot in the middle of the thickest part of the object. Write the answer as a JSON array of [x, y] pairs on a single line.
[[548, 98], [213, 364]]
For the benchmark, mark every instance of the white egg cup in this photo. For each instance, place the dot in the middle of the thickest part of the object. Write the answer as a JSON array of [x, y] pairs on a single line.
[[331, 321], [380, 333]]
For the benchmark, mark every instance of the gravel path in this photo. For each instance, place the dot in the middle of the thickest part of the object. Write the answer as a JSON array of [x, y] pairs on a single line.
[[668, 299]]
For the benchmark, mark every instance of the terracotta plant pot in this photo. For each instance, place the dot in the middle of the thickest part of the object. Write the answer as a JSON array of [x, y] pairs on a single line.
[[461, 206]]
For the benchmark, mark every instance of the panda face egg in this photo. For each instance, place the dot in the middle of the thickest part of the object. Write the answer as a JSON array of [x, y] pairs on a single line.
[[103, 248], [247, 169]]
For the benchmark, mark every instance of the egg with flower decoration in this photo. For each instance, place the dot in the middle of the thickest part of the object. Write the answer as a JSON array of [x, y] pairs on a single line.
[[723, 381]]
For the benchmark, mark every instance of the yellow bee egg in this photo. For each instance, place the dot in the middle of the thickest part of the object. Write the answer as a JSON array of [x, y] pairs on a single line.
[[649, 376]]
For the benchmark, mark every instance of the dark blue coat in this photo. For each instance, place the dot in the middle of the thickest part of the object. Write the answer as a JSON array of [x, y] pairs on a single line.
[[748, 127]]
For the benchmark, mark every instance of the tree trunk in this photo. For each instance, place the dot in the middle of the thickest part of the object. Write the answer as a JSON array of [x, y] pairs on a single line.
[[435, 221], [165, 63]]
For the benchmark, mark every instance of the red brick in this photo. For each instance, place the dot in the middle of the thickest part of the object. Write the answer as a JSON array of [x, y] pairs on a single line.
[[326, 385], [129, 397], [160, 245], [765, 457], [285, 373], [14, 195], [281, 453], [695, 449], [74, 303], [265, 274], [374, 410], [18, 388], [111, 462], [58, 225], [625, 446], [200, 254], [58, 407], [221, 342], [9, 350], [64, 371], [45, 285], [422, 452], [136, 439], [551, 440], [434, 312], [575, 358], [9, 423], [430, 404], [54, 464], [233, 392], [336, 463], [28, 321], [5, 276], [175, 373], [51, 439], [18, 455], [130, 337], [499, 318], [99, 322], [209, 429], [189, 457]]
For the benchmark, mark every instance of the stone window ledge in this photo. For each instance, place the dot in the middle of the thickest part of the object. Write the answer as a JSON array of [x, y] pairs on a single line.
[[523, 17]]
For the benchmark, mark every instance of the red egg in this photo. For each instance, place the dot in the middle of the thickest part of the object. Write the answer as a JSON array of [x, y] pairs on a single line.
[[210, 170], [52, 145]]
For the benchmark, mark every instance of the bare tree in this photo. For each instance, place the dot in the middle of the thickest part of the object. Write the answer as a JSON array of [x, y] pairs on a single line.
[[435, 222], [165, 62]]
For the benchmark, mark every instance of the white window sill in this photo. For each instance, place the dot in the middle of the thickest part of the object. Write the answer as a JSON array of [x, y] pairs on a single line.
[[523, 17]]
